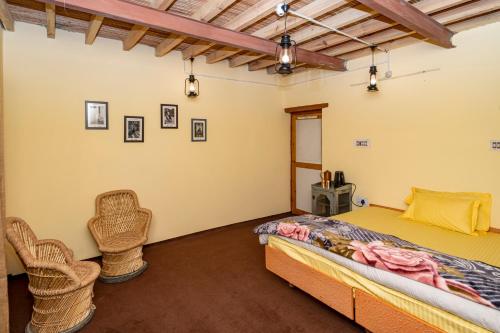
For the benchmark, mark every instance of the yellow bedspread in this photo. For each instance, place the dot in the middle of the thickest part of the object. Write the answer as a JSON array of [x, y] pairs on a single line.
[[387, 221]]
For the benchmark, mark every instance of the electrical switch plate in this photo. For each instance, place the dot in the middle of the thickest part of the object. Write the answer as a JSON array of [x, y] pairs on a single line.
[[361, 201], [362, 143], [495, 145]]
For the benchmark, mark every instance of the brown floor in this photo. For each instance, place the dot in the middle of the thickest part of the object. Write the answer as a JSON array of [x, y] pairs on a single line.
[[209, 282]]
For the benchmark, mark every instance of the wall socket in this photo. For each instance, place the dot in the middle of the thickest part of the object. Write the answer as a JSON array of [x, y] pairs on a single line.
[[361, 201], [362, 143], [495, 145]]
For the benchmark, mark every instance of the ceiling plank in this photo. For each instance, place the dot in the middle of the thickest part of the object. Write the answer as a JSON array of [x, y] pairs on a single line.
[[164, 21], [206, 13], [451, 16], [376, 25], [412, 18], [344, 18], [245, 19], [260, 64], [314, 9], [138, 31], [93, 29], [6, 17], [50, 10]]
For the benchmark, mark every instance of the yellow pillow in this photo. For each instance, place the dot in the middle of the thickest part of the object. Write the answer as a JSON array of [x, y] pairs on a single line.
[[484, 213], [457, 214]]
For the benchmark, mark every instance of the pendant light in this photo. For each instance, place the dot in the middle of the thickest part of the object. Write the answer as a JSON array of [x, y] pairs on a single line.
[[286, 49], [191, 84], [372, 86]]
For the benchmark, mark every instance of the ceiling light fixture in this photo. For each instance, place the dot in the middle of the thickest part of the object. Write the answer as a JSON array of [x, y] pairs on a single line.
[[286, 49], [191, 84], [372, 86]]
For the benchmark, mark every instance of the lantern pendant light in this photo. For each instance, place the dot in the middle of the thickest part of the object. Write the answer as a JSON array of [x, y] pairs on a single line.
[[191, 84], [372, 86], [286, 50]]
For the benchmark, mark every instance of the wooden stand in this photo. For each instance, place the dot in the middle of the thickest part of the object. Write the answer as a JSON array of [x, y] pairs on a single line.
[[374, 314]]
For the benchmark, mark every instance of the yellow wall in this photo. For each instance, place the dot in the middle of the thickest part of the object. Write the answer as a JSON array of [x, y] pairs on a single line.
[[431, 130], [55, 167]]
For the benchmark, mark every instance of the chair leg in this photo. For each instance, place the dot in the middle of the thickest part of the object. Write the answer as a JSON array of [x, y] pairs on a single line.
[[123, 266], [62, 313]]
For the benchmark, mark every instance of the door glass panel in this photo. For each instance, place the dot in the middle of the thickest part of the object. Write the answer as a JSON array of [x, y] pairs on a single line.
[[305, 178], [308, 141]]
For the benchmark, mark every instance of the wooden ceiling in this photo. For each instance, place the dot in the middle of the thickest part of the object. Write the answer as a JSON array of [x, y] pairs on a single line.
[[244, 32]]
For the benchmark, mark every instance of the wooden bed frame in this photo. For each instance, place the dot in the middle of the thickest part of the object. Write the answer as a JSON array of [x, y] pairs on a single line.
[[373, 313]]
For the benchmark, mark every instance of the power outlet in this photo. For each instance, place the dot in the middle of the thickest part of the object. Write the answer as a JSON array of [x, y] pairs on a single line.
[[495, 145], [361, 201], [362, 143]]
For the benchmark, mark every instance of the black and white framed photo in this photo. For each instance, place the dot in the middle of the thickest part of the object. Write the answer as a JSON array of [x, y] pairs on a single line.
[[198, 130], [169, 116], [134, 129], [96, 115]]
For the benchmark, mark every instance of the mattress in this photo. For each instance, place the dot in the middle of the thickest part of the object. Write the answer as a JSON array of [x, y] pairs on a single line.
[[439, 308]]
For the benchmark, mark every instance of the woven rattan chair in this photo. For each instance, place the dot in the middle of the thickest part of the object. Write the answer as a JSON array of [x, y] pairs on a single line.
[[120, 229], [61, 287]]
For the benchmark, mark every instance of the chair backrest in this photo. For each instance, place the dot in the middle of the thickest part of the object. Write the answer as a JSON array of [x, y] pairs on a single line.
[[22, 238], [45, 273], [117, 211]]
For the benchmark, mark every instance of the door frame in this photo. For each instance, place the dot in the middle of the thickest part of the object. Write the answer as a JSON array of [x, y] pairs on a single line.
[[315, 110]]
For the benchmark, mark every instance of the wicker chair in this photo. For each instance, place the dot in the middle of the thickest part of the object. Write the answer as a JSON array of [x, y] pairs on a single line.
[[120, 229], [61, 286]]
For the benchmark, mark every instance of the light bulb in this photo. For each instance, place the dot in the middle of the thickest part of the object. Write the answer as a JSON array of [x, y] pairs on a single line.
[[285, 58], [373, 79], [192, 88]]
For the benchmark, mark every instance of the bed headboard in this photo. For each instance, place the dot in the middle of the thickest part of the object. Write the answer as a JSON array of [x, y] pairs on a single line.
[[495, 230]]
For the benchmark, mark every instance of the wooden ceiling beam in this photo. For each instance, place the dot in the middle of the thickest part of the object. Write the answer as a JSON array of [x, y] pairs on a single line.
[[371, 26], [6, 17], [260, 64], [50, 10], [451, 16], [412, 18], [246, 18], [344, 18], [93, 29], [314, 9], [473, 22], [164, 21], [138, 31], [206, 13]]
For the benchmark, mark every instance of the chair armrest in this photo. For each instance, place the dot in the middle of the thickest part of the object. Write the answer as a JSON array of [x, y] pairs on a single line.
[[93, 230], [52, 278], [143, 221], [54, 250]]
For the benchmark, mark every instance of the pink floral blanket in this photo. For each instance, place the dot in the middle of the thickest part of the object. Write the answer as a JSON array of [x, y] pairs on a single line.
[[474, 280]]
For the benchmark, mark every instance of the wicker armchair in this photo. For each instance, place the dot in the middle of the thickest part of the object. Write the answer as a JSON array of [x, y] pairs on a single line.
[[120, 229], [61, 286]]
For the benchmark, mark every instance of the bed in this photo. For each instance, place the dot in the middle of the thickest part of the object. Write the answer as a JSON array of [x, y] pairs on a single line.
[[382, 301]]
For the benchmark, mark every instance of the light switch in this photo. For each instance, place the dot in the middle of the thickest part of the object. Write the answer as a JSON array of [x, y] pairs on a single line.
[[362, 143]]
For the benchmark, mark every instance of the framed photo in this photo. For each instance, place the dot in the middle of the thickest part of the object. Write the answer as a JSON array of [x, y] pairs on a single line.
[[96, 115], [198, 130], [169, 117], [133, 129]]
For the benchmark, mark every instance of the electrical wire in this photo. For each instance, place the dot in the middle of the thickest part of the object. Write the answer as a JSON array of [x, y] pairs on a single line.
[[354, 191]]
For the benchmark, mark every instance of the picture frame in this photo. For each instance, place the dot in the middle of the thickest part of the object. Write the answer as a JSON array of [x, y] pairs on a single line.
[[198, 130], [169, 116], [133, 129], [96, 115]]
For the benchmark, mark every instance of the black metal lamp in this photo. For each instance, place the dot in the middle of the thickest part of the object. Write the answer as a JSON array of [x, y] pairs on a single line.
[[286, 49], [191, 84], [372, 86]]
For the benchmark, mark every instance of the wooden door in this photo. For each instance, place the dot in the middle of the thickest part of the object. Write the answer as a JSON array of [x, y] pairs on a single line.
[[306, 160]]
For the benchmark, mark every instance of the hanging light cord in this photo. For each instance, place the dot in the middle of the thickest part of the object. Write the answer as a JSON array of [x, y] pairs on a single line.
[[192, 59], [334, 29]]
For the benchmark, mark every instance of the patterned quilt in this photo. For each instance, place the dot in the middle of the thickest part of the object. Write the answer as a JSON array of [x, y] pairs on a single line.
[[470, 279]]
